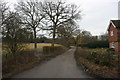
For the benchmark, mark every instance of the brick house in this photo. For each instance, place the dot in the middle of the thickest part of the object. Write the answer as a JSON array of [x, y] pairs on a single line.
[[114, 35]]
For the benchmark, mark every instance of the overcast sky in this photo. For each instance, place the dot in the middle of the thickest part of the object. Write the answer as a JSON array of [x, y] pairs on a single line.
[[96, 14]]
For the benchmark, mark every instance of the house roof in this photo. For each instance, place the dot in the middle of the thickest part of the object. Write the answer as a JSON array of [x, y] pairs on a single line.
[[116, 23]]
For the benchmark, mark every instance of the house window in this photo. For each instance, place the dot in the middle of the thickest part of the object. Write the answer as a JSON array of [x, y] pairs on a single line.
[[111, 33], [113, 45]]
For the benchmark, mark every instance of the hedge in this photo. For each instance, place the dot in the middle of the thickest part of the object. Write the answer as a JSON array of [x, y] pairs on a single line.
[[96, 44]]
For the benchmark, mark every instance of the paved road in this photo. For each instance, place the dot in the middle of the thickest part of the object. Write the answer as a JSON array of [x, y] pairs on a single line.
[[63, 66], [0, 60], [0, 66]]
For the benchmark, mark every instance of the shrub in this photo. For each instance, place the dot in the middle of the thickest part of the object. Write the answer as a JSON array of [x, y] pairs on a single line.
[[95, 57], [103, 58], [12, 62], [96, 44], [110, 50], [106, 67]]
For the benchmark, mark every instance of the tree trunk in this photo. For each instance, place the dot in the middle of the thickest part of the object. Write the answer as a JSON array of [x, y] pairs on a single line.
[[77, 41], [53, 40], [35, 42]]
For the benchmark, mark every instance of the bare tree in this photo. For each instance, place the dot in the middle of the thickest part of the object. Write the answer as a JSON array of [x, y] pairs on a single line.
[[31, 15], [13, 34], [86, 36], [66, 33], [77, 36], [3, 13], [103, 36], [59, 13], [81, 36]]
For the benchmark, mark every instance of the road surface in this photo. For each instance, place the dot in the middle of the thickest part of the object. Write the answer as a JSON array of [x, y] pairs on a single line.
[[0, 60], [0, 66], [63, 66]]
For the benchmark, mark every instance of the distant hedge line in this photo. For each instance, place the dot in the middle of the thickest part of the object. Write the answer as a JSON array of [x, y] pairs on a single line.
[[96, 44]]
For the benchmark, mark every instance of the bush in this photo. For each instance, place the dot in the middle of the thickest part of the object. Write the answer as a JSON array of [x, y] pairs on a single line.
[[96, 44], [98, 57], [95, 57], [110, 50], [11, 62], [99, 63]]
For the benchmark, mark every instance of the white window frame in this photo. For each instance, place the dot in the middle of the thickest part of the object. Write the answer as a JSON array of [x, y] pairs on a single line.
[[111, 33], [112, 45]]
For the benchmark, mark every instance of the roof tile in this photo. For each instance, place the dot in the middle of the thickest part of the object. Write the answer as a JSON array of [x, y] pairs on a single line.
[[116, 23]]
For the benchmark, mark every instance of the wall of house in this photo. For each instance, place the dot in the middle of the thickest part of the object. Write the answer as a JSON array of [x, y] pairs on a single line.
[[117, 46], [114, 37], [118, 34]]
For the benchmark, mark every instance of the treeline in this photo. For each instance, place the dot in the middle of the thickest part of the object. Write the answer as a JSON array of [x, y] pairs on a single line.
[[29, 18]]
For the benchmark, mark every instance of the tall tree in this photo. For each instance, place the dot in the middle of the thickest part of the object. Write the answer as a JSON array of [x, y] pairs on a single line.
[[86, 36], [59, 13], [31, 15], [66, 33], [77, 37], [13, 34], [103, 36], [3, 13]]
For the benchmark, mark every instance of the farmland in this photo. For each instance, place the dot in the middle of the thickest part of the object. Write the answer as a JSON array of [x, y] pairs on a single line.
[[39, 45], [30, 46]]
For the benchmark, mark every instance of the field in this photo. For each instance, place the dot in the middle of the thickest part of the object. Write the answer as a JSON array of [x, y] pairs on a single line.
[[39, 45], [30, 46]]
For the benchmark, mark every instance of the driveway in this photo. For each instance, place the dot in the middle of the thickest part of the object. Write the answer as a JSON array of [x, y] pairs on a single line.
[[63, 66]]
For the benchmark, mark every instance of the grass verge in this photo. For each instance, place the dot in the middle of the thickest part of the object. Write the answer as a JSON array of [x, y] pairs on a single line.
[[94, 67], [13, 64]]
